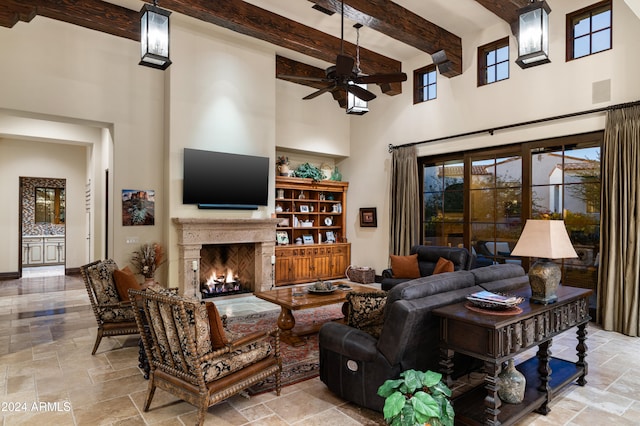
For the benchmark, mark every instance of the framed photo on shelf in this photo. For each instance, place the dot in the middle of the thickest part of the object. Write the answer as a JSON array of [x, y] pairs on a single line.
[[304, 209], [368, 217], [282, 237], [331, 237], [307, 239]]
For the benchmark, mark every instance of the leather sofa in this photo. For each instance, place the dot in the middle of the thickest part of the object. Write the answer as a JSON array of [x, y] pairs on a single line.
[[353, 364], [428, 258]]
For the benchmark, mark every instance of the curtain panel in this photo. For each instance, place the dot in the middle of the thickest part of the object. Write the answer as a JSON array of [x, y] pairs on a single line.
[[619, 276], [405, 201]]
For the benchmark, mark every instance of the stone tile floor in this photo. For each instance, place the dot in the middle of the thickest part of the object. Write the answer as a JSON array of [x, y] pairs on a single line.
[[48, 376]]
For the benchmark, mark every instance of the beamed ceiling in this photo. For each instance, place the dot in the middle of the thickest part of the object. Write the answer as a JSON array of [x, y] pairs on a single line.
[[307, 39]]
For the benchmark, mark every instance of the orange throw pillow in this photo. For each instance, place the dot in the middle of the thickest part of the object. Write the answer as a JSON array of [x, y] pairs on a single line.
[[124, 280], [218, 336], [405, 266], [443, 265]]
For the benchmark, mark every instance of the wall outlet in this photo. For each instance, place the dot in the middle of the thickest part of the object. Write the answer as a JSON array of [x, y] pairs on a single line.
[[132, 240]]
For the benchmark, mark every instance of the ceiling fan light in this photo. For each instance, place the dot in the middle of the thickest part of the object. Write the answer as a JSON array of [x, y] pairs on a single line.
[[355, 105], [154, 37], [533, 34]]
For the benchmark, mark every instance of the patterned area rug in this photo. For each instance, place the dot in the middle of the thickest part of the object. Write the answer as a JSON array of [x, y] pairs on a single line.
[[298, 362]]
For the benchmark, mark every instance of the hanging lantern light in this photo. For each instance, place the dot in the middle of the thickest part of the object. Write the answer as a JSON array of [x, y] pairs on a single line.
[[533, 34], [355, 105], [154, 36]]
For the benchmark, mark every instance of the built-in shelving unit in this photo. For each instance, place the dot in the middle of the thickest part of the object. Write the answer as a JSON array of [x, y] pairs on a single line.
[[311, 234]]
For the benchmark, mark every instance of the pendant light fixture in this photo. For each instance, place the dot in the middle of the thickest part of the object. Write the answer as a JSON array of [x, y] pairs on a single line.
[[533, 34], [355, 105], [154, 36]]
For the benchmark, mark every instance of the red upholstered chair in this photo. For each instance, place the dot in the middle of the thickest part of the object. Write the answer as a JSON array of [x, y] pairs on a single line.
[[190, 361]]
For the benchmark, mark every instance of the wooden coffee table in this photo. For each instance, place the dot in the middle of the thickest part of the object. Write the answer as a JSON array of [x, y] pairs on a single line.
[[297, 298]]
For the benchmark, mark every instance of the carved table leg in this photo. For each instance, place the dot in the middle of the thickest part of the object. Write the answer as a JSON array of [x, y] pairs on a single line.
[[446, 365], [544, 372], [582, 353], [286, 322], [492, 401]]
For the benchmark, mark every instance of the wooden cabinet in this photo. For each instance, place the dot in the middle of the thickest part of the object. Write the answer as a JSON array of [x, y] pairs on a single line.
[[307, 263], [311, 234]]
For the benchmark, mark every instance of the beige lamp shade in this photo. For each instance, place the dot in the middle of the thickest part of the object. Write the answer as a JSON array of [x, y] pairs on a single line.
[[545, 239]]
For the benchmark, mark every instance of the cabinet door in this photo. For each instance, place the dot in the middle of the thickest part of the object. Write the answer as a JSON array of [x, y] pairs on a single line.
[[32, 251], [284, 266], [321, 265], [302, 265], [339, 261]]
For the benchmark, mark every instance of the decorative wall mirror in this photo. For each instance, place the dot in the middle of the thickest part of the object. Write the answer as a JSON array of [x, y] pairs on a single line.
[[50, 205]]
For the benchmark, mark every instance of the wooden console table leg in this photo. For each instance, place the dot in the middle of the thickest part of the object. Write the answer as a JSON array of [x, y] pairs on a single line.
[[544, 372], [582, 353], [492, 401], [446, 365]]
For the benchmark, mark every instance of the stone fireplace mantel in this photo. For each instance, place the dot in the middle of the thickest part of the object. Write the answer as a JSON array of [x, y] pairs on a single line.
[[193, 233]]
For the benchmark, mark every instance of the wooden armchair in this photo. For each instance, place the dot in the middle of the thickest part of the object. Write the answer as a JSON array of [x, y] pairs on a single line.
[[114, 317], [194, 357]]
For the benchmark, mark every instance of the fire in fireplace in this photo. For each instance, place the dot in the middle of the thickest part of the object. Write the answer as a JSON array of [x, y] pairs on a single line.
[[226, 269], [222, 285]]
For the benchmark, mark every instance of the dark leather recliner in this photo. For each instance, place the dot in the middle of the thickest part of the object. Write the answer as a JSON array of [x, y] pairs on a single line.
[[427, 258], [353, 364]]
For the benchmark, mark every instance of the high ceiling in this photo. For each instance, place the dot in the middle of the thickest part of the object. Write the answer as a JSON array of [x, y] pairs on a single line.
[[393, 31]]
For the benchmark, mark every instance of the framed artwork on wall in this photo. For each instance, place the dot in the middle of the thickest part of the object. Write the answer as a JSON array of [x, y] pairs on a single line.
[[138, 207], [368, 217]]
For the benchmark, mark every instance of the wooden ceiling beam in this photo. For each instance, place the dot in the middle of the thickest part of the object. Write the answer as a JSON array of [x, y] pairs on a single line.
[[245, 18], [11, 12], [92, 14], [403, 25], [505, 9]]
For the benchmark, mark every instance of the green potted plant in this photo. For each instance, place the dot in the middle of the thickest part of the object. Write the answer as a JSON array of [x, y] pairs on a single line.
[[417, 398]]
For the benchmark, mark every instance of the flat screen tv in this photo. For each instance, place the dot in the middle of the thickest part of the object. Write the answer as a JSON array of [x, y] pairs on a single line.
[[218, 180]]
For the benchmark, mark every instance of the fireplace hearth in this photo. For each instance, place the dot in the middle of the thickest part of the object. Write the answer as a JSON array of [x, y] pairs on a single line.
[[254, 238]]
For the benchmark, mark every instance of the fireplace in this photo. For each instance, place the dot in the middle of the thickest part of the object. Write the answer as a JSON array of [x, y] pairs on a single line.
[[226, 269], [256, 237]]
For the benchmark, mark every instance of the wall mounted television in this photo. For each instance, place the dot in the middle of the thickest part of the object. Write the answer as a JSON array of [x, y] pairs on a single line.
[[219, 180]]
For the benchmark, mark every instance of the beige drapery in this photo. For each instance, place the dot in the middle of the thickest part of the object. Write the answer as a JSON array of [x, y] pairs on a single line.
[[405, 201], [619, 276]]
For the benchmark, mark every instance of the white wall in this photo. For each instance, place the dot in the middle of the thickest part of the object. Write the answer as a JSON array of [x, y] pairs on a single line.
[[52, 71], [557, 88], [24, 158]]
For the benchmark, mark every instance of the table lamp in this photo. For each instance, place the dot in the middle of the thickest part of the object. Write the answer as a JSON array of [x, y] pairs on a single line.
[[544, 239]]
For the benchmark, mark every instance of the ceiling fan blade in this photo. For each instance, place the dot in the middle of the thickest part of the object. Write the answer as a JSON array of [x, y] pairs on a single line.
[[298, 77], [361, 93], [344, 65], [319, 92], [382, 78]]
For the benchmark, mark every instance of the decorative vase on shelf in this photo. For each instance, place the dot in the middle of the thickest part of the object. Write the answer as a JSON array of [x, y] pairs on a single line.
[[283, 169], [511, 384]]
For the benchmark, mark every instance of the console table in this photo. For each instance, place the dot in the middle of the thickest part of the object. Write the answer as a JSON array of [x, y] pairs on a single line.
[[496, 338]]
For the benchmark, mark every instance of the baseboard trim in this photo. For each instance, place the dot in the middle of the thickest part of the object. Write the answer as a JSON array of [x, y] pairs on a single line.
[[9, 276]]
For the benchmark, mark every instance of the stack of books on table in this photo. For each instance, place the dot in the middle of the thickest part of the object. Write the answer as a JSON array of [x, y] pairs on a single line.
[[487, 297]]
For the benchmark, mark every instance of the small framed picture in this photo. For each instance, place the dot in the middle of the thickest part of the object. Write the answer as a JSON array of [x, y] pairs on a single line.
[[307, 239], [282, 237], [331, 237], [304, 209], [368, 217]]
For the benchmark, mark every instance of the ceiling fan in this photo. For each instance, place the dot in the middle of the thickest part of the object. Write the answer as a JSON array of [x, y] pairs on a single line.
[[345, 74]]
